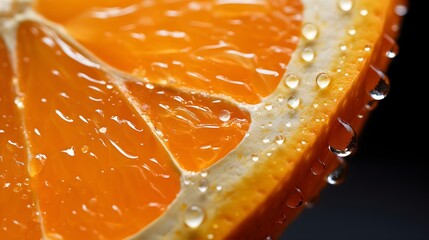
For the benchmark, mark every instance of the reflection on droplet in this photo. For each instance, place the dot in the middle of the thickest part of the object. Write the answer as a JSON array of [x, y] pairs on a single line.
[[194, 216], [380, 91], [294, 102], [224, 115], [292, 81], [339, 174], [345, 5], [351, 145], [323, 80], [295, 199], [309, 31], [307, 54]]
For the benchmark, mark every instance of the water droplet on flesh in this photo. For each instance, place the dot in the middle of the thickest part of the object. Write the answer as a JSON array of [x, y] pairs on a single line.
[[224, 115]]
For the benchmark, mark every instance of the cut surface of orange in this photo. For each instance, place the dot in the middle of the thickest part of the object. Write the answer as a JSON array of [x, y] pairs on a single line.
[[175, 119]]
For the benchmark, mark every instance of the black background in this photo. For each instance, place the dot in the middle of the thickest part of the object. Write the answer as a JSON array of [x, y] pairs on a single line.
[[385, 195]]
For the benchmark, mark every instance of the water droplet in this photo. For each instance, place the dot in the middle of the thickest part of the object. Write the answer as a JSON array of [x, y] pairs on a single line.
[[280, 99], [343, 47], [19, 102], [345, 5], [255, 157], [292, 81], [294, 102], [102, 130], [203, 185], [309, 31], [36, 164], [339, 174], [265, 140], [393, 49], [367, 48], [351, 146], [352, 31], [380, 91], [218, 188], [288, 124], [401, 10], [371, 105], [194, 216], [210, 236], [84, 149], [224, 115], [312, 202], [149, 86], [17, 188], [318, 167], [363, 12], [204, 174], [268, 107], [295, 199], [307, 54], [323, 80], [280, 139], [268, 238], [282, 219]]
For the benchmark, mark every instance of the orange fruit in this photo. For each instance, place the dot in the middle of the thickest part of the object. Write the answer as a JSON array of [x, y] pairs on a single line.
[[210, 119]]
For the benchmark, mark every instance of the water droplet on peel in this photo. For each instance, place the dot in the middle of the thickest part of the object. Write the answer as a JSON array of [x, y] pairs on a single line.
[[309, 31], [345, 5], [352, 31], [380, 91], [255, 157], [339, 174], [224, 115], [292, 81], [312, 202], [352, 144], [268, 107], [307, 54], [203, 185], [282, 219], [268, 238], [371, 105], [323, 80], [363, 12], [295, 199], [280, 139], [401, 10], [294, 102], [393, 47], [194, 216], [318, 167]]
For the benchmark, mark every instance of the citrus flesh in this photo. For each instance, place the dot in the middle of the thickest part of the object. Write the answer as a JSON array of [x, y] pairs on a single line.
[[178, 119]]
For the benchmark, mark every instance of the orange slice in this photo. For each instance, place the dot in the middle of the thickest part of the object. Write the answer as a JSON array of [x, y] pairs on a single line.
[[209, 119]]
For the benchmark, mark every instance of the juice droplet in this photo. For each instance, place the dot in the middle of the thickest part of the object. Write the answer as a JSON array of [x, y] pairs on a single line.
[[338, 175], [345, 5], [307, 54], [224, 115], [292, 81], [296, 199], [323, 80], [309, 31], [380, 91], [194, 216], [294, 102]]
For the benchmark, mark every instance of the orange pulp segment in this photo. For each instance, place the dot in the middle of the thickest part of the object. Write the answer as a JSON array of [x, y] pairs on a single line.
[[236, 48], [97, 169], [17, 216]]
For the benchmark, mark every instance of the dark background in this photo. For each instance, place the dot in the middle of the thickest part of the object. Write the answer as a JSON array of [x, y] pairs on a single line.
[[385, 195]]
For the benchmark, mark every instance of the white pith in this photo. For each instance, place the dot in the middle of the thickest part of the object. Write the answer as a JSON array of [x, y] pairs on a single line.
[[265, 123]]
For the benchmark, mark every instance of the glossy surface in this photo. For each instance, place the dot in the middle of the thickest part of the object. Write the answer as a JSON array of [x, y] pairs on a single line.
[[18, 218], [97, 169], [237, 48]]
